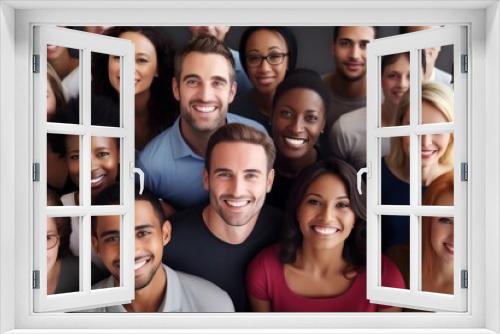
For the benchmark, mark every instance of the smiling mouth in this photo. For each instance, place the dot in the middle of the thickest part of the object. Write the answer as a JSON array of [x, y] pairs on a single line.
[[450, 248], [265, 80], [295, 141], [204, 109], [354, 66], [237, 203], [426, 154], [325, 230], [97, 181], [141, 262]]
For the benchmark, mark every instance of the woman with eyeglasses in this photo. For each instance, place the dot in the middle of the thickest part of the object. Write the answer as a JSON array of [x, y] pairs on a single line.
[[267, 54], [62, 266]]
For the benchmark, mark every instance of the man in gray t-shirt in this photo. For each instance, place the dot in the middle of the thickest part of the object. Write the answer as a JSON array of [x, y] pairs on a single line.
[[158, 288], [347, 82]]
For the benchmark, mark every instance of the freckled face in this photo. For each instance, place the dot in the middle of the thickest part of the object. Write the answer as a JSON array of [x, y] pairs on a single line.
[[297, 121], [266, 77], [442, 234], [325, 216], [146, 63]]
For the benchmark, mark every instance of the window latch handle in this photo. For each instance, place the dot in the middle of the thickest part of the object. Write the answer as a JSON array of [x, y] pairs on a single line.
[[359, 179], [141, 179]]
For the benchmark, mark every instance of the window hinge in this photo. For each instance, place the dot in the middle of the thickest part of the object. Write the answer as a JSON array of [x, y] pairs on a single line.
[[464, 171], [36, 279], [36, 172], [464, 279], [36, 63], [465, 64]]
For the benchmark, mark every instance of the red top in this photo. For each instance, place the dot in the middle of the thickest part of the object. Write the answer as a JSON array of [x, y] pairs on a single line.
[[266, 281]]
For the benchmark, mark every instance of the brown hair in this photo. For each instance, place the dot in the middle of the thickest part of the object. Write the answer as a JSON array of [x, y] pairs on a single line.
[[204, 44], [440, 186], [63, 225], [236, 132]]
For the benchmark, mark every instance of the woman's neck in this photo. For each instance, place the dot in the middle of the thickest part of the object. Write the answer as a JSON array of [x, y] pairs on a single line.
[[292, 167], [321, 262], [264, 102], [141, 104], [388, 113], [442, 278], [430, 173]]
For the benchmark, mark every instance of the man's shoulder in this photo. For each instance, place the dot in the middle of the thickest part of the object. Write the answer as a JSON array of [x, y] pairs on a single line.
[[353, 119], [189, 216], [233, 118], [204, 295]]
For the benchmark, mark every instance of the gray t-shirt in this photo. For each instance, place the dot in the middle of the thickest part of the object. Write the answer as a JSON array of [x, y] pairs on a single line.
[[184, 293]]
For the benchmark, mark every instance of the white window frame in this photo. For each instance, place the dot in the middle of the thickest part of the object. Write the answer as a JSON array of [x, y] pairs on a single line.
[[16, 19], [86, 44], [413, 296]]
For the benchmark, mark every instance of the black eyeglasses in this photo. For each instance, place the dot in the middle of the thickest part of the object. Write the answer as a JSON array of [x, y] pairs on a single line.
[[274, 58]]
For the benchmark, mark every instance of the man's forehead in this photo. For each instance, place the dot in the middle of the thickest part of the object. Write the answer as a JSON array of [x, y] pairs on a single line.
[[238, 156], [357, 32], [205, 65], [107, 223]]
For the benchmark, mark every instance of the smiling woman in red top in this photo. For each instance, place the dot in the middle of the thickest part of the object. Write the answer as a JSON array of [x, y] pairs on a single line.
[[320, 265]]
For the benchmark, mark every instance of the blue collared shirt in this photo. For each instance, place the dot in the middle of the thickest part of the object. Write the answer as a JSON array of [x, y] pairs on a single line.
[[173, 171]]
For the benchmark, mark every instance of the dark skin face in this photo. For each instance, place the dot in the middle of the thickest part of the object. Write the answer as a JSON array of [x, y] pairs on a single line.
[[298, 119]]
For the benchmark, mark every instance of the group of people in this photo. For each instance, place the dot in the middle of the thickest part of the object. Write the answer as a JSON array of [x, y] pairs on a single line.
[[250, 200]]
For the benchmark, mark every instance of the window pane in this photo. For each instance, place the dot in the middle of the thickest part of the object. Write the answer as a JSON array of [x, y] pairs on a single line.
[[62, 266], [395, 171], [106, 236], [395, 82], [62, 168], [105, 90], [436, 158], [437, 254], [63, 84], [396, 237], [105, 167]]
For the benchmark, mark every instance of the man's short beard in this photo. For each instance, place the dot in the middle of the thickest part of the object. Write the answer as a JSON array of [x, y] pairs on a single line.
[[189, 119], [352, 79]]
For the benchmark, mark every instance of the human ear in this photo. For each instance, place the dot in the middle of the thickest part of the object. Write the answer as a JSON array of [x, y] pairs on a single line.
[[270, 180], [166, 232], [175, 89], [205, 180], [232, 91], [95, 244]]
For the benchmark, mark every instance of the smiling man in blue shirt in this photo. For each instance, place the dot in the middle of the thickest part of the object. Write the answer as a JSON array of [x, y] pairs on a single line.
[[205, 85]]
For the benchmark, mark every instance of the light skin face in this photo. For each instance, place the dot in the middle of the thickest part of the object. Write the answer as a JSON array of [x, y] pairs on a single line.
[[298, 119], [238, 182], [54, 52], [146, 63], [51, 101], [325, 216], [442, 234], [433, 146], [265, 77], [218, 32], [396, 80], [204, 91], [105, 157], [52, 253], [150, 238], [349, 51]]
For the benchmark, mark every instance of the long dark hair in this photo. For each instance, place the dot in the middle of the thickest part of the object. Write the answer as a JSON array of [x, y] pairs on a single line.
[[354, 252], [162, 106]]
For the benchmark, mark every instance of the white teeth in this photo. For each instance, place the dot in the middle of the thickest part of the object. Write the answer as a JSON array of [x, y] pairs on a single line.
[[325, 230], [295, 141], [427, 153], [450, 248], [237, 204], [205, 109], [139, 265], [97, 179]]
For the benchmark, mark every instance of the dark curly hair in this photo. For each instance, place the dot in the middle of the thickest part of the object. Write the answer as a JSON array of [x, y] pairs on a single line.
[[162, 105], [354, 252], [287, 35]]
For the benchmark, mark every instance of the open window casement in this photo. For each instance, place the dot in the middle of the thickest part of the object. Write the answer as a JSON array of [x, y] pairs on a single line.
[[414, 131], [82, 131]]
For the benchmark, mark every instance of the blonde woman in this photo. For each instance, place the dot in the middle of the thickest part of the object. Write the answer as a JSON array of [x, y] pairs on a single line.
[[436, 155]]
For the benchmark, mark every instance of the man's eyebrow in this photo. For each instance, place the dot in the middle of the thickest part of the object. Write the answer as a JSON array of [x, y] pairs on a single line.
[[219, 78], [108, 233], [253, 170], [143, 226], [217, 170], [190, 76]]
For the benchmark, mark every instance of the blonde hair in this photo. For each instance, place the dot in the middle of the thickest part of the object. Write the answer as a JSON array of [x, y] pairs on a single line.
[[440, 97]]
